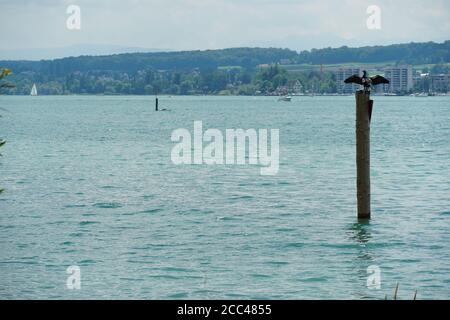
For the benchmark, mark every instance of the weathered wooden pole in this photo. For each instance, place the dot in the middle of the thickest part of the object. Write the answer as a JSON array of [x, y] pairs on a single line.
[[363, 116], [156, 104]]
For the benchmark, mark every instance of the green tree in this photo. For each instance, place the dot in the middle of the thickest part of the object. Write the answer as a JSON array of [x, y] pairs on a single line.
[[270, 78], [4, 73], [3, 84]]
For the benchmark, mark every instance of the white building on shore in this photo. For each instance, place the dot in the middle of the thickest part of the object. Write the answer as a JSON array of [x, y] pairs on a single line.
[[401, 79], [344, 73]]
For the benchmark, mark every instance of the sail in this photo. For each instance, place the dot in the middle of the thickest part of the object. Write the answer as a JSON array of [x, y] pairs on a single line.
[[33, 90]]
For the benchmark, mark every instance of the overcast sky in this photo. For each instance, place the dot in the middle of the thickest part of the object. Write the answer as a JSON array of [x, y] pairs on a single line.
[[212, 24]]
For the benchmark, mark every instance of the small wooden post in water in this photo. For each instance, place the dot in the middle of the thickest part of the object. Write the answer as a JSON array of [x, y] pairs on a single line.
[[156, 104], [363, 115]]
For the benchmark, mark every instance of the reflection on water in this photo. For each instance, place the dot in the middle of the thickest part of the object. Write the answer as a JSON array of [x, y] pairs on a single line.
[[360, 234]]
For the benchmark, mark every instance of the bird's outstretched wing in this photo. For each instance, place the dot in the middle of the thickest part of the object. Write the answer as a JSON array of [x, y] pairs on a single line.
[[354, 79], [379, 80]]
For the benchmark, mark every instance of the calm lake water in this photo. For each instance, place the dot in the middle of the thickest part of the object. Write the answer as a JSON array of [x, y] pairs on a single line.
[[89, 182]]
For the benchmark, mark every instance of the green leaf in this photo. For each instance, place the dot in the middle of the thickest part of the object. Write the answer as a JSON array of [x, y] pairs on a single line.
[[5, 72]]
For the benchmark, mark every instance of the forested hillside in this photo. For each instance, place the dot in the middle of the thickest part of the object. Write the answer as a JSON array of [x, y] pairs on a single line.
[[227, 71]]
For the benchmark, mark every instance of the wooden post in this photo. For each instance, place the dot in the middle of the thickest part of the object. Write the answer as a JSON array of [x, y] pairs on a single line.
[[363, 114], [156, 104]]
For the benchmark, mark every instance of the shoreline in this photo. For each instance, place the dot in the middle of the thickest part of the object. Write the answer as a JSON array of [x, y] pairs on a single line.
[[414, 95]]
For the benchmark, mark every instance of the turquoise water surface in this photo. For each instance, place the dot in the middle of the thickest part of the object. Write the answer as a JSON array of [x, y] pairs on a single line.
[[89, 182]]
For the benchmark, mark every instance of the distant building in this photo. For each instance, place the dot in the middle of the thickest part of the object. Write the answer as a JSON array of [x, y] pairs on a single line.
[[297, 87], [341, 75], [281, 90], [291, 87], [285, 61], [294, 87], [440, 82], [401, 79]]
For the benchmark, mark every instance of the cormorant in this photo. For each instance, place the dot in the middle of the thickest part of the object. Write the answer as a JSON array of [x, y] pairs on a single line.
[[366, 81]]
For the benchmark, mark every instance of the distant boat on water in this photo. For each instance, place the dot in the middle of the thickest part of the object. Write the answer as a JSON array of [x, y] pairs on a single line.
[[285, 98], [33, 90], [422, 95]]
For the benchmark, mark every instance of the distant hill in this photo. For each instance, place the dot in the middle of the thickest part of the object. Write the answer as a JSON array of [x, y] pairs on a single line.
[[200, 72], [132, 62], [37, 54], [411, 53]]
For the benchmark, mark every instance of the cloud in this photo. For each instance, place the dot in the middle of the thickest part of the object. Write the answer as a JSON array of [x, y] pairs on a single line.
[[201, 24]]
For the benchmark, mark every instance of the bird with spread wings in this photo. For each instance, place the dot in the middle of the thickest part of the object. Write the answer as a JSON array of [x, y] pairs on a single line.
[[366, 81]]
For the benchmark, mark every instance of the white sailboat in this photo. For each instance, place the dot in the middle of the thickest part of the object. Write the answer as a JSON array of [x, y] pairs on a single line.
[[33, 90]]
